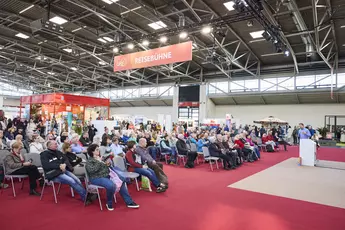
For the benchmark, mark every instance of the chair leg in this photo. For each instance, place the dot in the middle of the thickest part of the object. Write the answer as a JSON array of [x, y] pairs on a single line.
[[58, 191], [136, 182], [13, 189], [72, 192], [87, 192], [99, 200], [217, 164], [166, 158], [42, 191], [54, 193], [22, 185], [211, 165]]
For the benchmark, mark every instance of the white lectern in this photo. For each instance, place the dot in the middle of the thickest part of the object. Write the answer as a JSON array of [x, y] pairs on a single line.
[[307, 151]]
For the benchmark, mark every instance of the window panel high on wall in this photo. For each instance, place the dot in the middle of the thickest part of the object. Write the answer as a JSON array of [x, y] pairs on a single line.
[[341, 80]]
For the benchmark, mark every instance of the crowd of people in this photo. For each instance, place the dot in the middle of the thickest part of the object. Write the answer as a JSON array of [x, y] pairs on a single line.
[[68, 158]]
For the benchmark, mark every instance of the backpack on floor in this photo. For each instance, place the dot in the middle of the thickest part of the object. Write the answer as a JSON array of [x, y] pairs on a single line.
[[269, 148]]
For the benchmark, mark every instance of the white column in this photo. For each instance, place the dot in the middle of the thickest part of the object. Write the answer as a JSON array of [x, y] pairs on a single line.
[[203, 103], [174, 115]]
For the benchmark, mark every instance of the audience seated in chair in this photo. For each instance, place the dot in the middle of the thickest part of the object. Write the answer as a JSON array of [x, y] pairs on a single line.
[[137, 165], [74, 160], [157, 167], [216, 151], [183, 150], [84, 139], [101, 174], [36, 146], [58, 169], [16, 165]]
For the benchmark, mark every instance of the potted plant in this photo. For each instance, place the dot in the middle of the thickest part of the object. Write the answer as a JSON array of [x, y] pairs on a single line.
[[323, 132]]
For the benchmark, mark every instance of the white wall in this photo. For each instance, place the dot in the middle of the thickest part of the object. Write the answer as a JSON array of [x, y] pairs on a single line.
[[309, 114], [11, 102], [149, 112], [211, 109]]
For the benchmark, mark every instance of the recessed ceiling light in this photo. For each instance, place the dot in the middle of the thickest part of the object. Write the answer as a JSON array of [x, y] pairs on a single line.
[[163, 39], [206, 30], [68, 50], [157, 25], [194, 46], [40, 43], [48, 84], [108, 39], [229, 5], [75, 30], [40, 58], [51, 73], [1, 47], [27, 8], [183, 35], [102, 63], [343, 26], [130, 46], [21, 35], [102, 40], [110, 1], [116, 50], [257, 34], [74, 68], [58, 20], [146, 42]]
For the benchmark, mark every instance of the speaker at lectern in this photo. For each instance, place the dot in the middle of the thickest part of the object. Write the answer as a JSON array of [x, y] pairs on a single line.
[[307, 152]]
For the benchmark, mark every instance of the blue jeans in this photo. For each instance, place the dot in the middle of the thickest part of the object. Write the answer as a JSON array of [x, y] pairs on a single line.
[[153, 152], [148, 173], [257, 151], [110, 187], [73, 181]]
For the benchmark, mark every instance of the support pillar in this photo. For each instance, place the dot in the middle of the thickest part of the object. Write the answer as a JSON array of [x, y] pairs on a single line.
[[174, 115], [1, 102], [203, 103]]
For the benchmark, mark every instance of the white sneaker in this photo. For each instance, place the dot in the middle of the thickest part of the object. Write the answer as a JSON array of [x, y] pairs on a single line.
[[109, 207]]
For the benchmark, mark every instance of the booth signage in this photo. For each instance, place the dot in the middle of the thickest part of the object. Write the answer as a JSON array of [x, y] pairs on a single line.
[[161, 56]]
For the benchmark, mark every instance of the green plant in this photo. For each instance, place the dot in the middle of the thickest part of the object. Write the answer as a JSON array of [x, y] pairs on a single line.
[[323, 131]]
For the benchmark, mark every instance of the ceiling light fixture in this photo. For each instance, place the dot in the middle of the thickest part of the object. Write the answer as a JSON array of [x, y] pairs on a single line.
[[287, 53], [163, 39], [110, 1], [145, 42], [68, 50], [75, 30], [51, 73], [108, 39], [27, 8], [229, 5], [183, 35], [206, 30], [343, 26], [102, 63], [127, 11], [130, 46], [157, 25], [58, 20], [257, 34], [74, 68], [102, 40], [1, 47], [116, 50], [21, 35]]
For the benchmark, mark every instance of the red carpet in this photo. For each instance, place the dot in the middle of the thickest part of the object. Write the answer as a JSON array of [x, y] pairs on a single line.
[[197, 200]]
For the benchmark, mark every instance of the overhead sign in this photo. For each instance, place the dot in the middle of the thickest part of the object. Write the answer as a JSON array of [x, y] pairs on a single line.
[[155, 57]]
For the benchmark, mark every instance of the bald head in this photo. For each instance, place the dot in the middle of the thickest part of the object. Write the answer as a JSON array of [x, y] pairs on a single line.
[[52, 145], [142, 142]]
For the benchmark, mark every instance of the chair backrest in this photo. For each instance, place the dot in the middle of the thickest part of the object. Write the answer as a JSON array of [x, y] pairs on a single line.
[[36, 158], [102, 150], [206, 151], [259, 141], [120, 163], [193, 147], [82, 156], [3, 154], [23, 151], [4, 166]]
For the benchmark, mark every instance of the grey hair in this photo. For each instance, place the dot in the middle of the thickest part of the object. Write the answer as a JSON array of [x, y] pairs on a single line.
[[180, 136], [212, 139]]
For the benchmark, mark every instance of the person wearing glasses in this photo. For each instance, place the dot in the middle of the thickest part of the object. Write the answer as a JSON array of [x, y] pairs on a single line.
[[15, 164], [101, 174]]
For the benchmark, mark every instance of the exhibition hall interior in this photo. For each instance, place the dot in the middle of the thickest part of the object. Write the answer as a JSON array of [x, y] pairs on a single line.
[[172, 114]]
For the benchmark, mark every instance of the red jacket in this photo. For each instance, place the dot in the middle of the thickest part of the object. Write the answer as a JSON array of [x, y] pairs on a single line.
[[267, 138], [130, 157], [239, 143]]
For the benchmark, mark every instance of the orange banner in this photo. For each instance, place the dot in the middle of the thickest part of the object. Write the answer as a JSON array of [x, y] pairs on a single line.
[[160, 56]]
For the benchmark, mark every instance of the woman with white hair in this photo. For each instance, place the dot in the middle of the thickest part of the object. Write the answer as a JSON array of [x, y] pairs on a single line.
[[183, 150]]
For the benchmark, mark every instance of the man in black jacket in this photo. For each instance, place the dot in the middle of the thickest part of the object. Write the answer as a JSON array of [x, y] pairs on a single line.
[[58, 169], [216, 151], [182, 149]]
